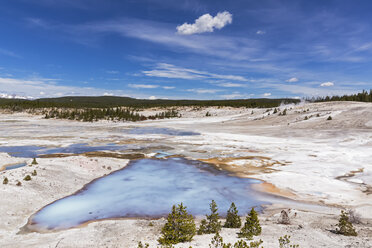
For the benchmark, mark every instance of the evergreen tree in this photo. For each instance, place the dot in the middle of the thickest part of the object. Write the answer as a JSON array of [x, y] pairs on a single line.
[[34, 161], [251, 226], [5, 181], [212, 224], [345, 227], [180, 227], [232, 218]]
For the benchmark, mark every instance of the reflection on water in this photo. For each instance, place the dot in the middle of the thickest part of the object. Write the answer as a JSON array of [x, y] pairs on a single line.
[[157, 130], [35, 151], [148, 188]]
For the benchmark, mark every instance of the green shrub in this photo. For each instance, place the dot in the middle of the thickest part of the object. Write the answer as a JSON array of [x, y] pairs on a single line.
[[217, 242], [232, 218], [5, 181], [211, 225], [284, 242], [140, 245], [345, 227], [27, 178], [34, 161], [19, 183], [251, 226], [34, 173], [180, 227], [329, 118]]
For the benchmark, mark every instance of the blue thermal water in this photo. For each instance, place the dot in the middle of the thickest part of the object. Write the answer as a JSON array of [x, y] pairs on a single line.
[[149, 188], [156, 130], [35, 151], [15, 166]]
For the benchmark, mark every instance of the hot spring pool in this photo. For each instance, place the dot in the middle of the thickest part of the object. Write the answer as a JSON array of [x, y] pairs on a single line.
[[149, 188]]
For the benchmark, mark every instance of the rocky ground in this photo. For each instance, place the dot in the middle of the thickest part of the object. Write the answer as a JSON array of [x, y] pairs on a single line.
[[320, 166]]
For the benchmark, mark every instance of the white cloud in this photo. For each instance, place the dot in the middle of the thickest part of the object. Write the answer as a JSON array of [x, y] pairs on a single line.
[[143, 86], [108, 94], [206, 23], [266, 94], [261, 32], [292, 80], [327, 84], [168, 87], [152, 98], [172, 71]]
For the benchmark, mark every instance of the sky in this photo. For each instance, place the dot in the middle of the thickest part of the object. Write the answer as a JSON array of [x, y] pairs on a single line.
[[185, 49]]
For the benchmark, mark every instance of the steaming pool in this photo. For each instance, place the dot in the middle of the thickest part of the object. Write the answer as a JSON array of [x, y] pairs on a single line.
[[147, 188]]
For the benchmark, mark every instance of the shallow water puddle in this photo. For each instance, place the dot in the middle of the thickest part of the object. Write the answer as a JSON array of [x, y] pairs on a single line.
[[14, 166], [157, 130], [35, 151], [149, 188]]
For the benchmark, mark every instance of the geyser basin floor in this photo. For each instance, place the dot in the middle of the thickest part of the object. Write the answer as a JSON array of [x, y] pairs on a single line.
[[148, 188]]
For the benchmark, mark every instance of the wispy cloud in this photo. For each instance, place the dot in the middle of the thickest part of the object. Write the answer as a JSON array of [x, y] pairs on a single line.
[[204, 91], [143, 86], [9, 53], [112, 72], [206, 23], [266, 94], [230, 85], [46, 88], [171, 71]]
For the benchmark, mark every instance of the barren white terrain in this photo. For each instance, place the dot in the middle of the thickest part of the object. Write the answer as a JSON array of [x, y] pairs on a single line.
[[308, 164]]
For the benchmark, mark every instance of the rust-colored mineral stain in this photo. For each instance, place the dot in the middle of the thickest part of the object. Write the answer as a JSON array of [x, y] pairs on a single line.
[[272, 189]]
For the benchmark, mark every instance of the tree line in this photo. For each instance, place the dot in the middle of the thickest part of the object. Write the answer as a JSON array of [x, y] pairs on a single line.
[[113, 114], [363, 96], [112, 101]]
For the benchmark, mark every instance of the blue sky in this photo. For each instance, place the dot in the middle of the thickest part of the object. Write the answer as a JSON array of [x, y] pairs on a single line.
[[185, 49]]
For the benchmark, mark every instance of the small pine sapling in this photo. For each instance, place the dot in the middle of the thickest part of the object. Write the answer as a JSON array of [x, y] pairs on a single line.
[[212, 224], [345, 227], [34, 161], [5, 181], [180, 227], [329, 118], [251, 226], [232, 218], [34, 173]]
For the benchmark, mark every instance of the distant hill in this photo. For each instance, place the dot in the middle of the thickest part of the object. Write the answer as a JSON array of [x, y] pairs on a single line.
[[115, 101]]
